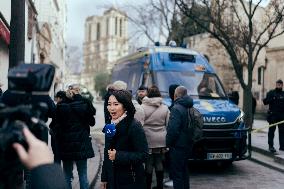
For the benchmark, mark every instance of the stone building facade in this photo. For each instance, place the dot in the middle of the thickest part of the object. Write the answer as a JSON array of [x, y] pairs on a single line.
[[45, 29], [51, 37], [106, 40], [269, 66]]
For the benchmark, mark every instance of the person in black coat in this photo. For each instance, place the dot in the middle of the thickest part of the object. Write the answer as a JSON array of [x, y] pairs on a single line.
[[127, 150], [54, 128], [74, 119], [275, 100], [178, 138], [38, 159]]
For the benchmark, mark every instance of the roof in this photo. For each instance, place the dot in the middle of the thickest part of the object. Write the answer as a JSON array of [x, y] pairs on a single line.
[[115, 10], [162, 63], [144, 51]]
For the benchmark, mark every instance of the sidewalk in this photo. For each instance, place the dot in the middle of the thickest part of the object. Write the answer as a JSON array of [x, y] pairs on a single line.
[[260, 152], [93, 164]]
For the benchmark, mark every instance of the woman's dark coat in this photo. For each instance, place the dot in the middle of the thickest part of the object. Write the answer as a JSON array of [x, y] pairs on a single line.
[[126, 171], [74, 120]]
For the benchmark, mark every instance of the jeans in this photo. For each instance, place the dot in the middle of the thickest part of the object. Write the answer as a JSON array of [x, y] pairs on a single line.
[[154, 161], [82, 172]]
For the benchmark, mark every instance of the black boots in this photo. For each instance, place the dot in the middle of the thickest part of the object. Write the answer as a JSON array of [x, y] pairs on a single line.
[[272, 149], [159, 179], [148, 180]]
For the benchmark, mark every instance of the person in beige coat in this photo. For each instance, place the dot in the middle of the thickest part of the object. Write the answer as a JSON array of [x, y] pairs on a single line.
[[155, 122]]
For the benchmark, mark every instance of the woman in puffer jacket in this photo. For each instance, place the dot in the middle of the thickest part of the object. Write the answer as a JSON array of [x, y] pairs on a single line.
[[156, 120]]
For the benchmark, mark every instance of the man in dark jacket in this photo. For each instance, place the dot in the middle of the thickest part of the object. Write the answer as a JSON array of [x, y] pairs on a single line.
[[12, 99], [178, 138], [141, 93], [74, 119], [275, 99]]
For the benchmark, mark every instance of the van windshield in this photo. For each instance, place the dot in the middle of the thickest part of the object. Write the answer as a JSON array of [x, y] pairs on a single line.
[[199, 84]]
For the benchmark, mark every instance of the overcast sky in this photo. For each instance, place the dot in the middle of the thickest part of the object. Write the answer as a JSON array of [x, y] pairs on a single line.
[[79, 10]]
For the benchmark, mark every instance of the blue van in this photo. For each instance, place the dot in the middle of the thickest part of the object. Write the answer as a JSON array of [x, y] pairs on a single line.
[[225, 134]]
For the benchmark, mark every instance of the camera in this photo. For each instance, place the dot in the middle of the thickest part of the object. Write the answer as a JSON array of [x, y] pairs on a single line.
[[23, 105]]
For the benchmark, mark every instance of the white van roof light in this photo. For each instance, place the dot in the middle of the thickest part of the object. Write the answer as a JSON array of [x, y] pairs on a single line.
[[172, 43]]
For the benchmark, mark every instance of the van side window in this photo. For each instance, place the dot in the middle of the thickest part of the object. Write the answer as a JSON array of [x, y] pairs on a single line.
[[136, 68]]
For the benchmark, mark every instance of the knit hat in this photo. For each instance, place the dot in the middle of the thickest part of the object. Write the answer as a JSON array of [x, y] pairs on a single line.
[[142, 88], [119, 85], [279, 81]]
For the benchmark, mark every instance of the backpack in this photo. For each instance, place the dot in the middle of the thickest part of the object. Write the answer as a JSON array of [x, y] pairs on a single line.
[[195, 124]]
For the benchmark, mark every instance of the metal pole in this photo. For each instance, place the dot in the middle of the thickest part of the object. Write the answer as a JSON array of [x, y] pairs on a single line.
[[249, 143], [17, 33]]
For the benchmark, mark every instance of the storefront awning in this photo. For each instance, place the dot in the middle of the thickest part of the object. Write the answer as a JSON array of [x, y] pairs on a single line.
[[4, 32]]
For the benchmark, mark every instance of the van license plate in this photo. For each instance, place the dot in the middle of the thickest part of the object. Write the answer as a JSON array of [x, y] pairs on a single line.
[[212, 156]]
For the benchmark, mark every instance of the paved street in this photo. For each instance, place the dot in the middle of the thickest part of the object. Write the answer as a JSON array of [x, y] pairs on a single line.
[[240, 175]]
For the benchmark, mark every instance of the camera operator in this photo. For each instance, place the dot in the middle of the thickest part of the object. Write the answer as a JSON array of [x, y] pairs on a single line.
[[39, 160], [27, 103], [14, 99], [74, 119]]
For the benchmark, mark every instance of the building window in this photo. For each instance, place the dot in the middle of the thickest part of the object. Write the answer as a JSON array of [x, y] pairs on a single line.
[[120, 27], [98, 31], [259, 73], [30, 23], [90, 32], [107, 23], [115, 26]]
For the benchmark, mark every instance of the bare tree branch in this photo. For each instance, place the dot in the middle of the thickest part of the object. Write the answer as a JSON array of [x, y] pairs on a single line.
[[244, 8], [256, 6]]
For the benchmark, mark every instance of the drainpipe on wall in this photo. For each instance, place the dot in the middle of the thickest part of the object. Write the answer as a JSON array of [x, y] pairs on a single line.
[[17, 33]]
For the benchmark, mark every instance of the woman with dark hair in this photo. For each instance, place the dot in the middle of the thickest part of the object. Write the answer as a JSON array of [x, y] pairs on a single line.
[[125, 145], [156, 120]]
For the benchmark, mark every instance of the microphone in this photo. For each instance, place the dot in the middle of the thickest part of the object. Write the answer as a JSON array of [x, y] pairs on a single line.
[[110, 130]]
